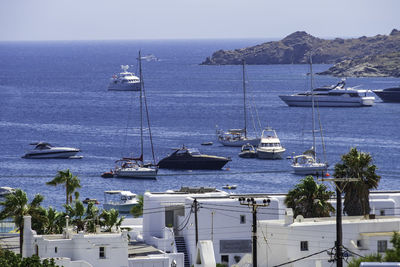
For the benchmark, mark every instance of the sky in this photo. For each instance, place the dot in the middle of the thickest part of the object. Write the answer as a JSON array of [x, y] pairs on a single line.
[[193, 19]]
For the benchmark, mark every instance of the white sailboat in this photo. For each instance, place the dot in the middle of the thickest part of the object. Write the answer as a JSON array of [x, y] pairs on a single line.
[[308, 163], [238, 137], [135, 167]]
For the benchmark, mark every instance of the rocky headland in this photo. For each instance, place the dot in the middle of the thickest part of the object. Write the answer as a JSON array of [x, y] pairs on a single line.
[[362, 57]]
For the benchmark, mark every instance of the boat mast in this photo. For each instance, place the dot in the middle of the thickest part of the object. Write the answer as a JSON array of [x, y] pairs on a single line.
[[148, 122], [141, 106], [313, 102], [244, 100]]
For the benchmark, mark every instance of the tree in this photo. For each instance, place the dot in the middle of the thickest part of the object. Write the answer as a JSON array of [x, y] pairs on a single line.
[[310, 199], [91, 217], [70, 182], [76, 214], [16, 206], [356, 164], [10, 259], [137, 210], [110, 218], [55, 221]]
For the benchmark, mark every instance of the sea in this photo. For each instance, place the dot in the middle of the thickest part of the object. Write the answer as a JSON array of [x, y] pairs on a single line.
[[56, 91]]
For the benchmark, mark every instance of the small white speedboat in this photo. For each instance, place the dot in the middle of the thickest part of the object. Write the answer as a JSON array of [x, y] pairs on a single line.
[[120, 200], [45, 150], [230, 187], [124, 81]]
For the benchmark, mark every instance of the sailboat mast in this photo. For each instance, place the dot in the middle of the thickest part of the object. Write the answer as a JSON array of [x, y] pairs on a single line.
[[244, 100], [141, 105], [312, 100]]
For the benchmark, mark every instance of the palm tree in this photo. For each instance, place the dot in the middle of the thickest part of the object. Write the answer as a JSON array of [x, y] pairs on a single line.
[[70, 182], [137, 210], [54, 221], [76, 213], [16, 206], [310, 199], [356, 164], [110, 218], [91, 217]]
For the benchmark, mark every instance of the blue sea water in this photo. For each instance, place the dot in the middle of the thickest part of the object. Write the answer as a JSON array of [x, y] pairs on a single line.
[[57, 92]]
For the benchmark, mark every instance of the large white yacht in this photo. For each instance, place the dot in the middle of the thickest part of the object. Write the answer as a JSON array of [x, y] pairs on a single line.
[[330, 96], [270, 146], [45, 150], [124, 81]]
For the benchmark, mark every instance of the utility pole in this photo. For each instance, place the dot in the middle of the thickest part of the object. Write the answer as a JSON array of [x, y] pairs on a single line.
[[195, 220], [252, 202], [340, 184]]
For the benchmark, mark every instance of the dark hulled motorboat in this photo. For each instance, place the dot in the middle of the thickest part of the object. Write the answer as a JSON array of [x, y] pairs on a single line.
[[389, 95], [192, 159]]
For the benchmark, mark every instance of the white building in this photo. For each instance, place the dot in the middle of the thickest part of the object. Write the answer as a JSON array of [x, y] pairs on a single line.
[[169, 222], [281, 241], [95, 249]]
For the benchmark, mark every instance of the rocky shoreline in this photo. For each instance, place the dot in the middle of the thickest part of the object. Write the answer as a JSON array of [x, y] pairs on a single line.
[[361, 57]]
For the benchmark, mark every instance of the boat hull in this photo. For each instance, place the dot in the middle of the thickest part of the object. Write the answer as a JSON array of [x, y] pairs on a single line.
[[51, 154], [122, 208], [248, 154], [270, 154], [388, 96], [311, 169], [124, 87], [239, 143], [142, 173], [198, 163], [327, 101]]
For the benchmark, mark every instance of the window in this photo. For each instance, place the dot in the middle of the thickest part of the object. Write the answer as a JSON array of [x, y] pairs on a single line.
[[225, 259], [242, 219], [359, 243], [382, 246], [55, 249], [102, 252], [382, 212], [304, 245]]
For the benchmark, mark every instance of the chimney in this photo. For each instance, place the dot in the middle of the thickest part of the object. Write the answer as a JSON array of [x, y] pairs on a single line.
[[289, 216]]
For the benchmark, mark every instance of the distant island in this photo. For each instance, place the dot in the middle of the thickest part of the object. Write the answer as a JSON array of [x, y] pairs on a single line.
[[377, 56]]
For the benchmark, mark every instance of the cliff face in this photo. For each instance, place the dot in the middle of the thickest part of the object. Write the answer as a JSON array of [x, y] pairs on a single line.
[[293, 49], [369, 66]]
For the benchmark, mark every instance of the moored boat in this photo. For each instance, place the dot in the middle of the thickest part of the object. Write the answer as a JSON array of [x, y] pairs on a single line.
[[120, 200], [45, 150], [124, 81], [270, 146], [192, 159], [330, 96], [248, 151], [390, 95], [239, 137]]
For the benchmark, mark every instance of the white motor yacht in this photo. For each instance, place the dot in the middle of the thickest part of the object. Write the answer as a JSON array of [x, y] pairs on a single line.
[[330, 96], [120, 200], [270, 146], [45, 150], [124, 81]]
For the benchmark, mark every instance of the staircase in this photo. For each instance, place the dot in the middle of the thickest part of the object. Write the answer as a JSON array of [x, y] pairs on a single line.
[[181, 248]]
